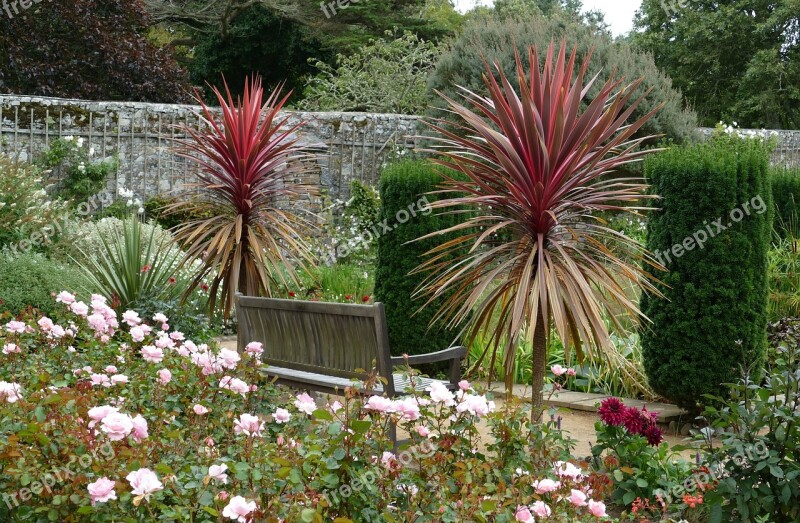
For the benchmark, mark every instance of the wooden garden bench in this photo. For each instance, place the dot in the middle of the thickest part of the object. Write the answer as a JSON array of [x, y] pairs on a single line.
[[324, 347]]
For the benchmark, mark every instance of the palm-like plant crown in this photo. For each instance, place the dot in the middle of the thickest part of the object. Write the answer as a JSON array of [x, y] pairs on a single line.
[[251, 165], [537, 165]]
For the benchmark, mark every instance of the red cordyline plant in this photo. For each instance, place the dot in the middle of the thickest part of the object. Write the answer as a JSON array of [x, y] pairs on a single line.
[[535, 166], [250, 167]]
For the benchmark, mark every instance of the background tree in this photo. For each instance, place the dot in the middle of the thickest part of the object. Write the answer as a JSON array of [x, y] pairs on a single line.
[[277, 38], [387, 76], [258, 41], [93, 49], [493, 38], [734, 60]]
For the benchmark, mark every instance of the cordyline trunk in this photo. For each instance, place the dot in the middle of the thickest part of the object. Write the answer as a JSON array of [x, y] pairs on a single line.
[[537, 374]]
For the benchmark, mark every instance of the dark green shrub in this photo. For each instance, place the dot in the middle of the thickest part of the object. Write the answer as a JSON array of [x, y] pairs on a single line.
[[403, 187], [716, 287], [786, 192], [155, 209], [28, 281]]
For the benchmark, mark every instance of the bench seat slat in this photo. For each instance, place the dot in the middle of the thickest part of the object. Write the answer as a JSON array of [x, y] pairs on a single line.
[[327, 382]]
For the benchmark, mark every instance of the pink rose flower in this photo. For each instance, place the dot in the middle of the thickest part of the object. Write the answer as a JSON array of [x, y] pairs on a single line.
[[249, 425], [137, 334], [571, 372], [475, 405], [238, 509], [79, 308], [164, 376], [463, 385], [577, 498], [116, 425], [65, 298], [164, 342], [200, 410], [101, 490], [541, 509], [380, 404], [228, 358], [98, 413], [408, 408], [144, 482], [131, 318], [152, 354], [12, 392], [546, 485], [568, 470], [423, 431], [597, 509], [305, 404], [15, 327], [11, 348], [282, 416], [235, 385], [45, 323], [524, 515], [558, 370], [254, 348], [119, 378], [139, 428], [100, 379], [217, 472], [440, 394]]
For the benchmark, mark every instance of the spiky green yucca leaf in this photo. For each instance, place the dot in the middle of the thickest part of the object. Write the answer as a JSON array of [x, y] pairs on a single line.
[[538, 164], [131, 268], [251, 164]]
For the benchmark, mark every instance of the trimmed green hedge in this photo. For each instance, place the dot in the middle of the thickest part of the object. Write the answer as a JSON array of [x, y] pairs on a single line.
[[29, 281], [403, 186], [786, 191], [716, 294]]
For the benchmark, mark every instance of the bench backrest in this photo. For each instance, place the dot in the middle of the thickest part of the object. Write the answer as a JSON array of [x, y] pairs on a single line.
[[334, 339]]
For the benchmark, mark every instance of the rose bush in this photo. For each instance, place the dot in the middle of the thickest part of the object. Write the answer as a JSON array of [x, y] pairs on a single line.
[[107, 418]]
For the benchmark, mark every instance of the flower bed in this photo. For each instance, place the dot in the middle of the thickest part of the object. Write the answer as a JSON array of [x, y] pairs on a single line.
[[120, 418]]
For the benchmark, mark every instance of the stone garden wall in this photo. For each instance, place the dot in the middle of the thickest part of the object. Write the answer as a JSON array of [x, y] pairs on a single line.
[[350, 146]]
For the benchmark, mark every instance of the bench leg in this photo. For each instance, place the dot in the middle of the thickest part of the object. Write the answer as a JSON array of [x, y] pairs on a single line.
[[393, 436], [455, 371]]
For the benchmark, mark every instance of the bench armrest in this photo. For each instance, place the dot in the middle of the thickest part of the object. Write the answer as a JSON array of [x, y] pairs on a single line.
[[454, 353]]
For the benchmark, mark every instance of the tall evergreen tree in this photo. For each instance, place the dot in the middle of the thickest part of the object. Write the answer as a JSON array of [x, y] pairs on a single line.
[[734, 60]]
